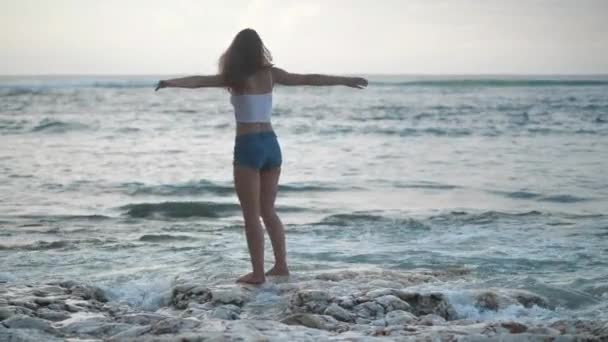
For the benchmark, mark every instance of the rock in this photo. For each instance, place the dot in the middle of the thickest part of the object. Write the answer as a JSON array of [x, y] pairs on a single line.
[[182, 295], [339, 313], [391, 302], [72, 308], [27, 335], [322, 322], [95, 327], [16, 310], [88, 292], [83, 305], [115, 309], [23, 303], [230, 296], [197, 290], [57, 307], [204, 306], [399, 317], [172, 325], [227, 312], [303, 297], [67, 284], [53, 315], [6, 312], [581, 326], [529, 299], [362, 299], [424, 304], [493, 300], [26, 322], [130, 333], [378, 322], [487, 301], [337, 276], [44, 301], [514, 327], [431, 319], [362, 321], [369, 310], [314, 301], [48, 290], [563, 327], [544, 331], [346, 302], [142, 318], [601, 330], [380, 292], [83, 326]]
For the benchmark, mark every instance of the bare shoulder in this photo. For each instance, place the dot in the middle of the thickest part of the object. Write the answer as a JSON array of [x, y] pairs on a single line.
[[277, 72], [284, 77]]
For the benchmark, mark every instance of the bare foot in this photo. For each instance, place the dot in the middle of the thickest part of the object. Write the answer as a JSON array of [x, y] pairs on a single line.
[[278, 271], [249, 278]]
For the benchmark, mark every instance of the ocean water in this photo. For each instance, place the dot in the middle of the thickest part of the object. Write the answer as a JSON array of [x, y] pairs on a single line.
[[105, 181]]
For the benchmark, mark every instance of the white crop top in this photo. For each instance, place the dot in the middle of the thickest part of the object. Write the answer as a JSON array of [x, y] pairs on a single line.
[[252, 107]]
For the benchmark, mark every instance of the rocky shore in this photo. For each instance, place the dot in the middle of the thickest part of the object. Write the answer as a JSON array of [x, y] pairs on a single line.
[[342, 305]]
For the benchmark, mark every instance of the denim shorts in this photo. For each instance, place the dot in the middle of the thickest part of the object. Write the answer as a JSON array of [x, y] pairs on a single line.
[[259, 150]]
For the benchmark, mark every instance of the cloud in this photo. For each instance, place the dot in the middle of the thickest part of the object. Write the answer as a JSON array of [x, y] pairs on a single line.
[[277, 15]]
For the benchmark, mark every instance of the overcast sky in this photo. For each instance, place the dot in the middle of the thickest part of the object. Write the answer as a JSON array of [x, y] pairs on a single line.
[[329, 36]]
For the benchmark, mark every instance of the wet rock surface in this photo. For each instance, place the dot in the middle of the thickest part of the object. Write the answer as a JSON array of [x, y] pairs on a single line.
[[345, 305]]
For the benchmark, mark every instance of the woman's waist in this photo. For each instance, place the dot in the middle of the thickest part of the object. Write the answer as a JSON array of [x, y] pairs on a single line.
[[243, 128]]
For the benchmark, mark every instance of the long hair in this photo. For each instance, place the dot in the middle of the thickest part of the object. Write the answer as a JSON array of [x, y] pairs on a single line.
[[245, 56]]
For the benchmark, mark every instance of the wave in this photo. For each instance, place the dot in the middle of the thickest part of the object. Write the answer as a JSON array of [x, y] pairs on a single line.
[[59, 244], [306, 186], [19, 91], [516, 129], [164, 237], [396, 131], [519, 194], [39, 87], [183, 189], [425, 185], [485, 217], [540, 197], [179, 209], [56, 126], [496, 83], [563, 199], [208, 187], [59, 218], [352, 219], [46, 125], [39, 245], [497, 304], [189, 209], [12, 126]]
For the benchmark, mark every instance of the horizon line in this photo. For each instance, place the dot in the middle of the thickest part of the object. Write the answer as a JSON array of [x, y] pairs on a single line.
[[362, 73]]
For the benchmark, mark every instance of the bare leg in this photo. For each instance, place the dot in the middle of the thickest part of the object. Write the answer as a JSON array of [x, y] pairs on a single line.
[[247, 185], [269, 180]]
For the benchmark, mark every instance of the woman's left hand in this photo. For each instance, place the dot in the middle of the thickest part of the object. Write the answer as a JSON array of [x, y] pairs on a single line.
[[357, 82], [161, 84]]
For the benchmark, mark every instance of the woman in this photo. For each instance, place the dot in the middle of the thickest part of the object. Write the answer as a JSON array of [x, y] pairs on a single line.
[[245, 70]]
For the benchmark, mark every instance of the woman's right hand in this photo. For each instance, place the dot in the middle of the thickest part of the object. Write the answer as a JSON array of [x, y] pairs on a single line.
[[356, 82], [161, 84]]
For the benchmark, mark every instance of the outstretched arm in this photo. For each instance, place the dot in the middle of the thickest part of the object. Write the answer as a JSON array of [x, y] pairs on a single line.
[[281, 76], [192, 82]]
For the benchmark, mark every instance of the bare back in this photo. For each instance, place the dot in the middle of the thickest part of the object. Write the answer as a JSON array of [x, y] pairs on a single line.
[[259, 83]]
